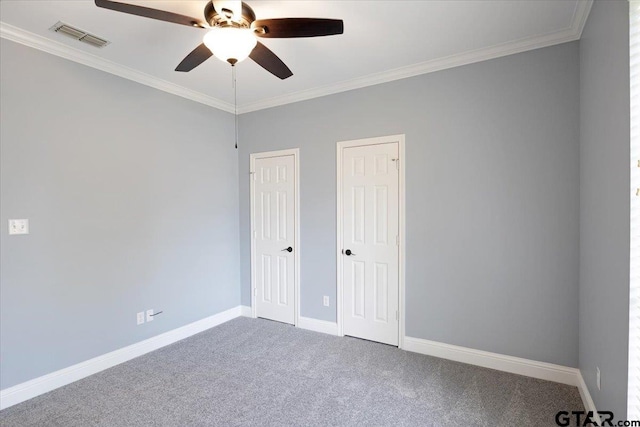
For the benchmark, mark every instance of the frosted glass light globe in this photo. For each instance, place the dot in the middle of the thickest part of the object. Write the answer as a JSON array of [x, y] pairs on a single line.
[[230, 44]]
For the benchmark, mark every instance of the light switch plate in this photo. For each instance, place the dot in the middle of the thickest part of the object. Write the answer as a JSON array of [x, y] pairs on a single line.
[[18, 226]]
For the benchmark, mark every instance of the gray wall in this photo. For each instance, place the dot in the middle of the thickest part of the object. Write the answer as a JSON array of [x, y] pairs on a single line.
[[604, 203], [492, 198], [132, 199]]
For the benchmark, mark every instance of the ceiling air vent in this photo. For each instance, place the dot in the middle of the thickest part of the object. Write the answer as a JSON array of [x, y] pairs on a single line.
[[78, 34]]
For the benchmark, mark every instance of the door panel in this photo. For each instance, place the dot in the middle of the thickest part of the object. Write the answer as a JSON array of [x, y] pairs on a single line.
[[275, 232], [370, 225], [357, 284]]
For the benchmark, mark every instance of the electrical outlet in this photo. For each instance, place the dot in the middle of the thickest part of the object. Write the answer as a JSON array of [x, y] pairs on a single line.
[[150, 315], [325, 301], [598, 377], [140, 318], [18, 226]]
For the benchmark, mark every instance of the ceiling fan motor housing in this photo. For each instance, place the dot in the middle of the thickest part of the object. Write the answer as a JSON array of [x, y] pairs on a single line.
[[219, 18]]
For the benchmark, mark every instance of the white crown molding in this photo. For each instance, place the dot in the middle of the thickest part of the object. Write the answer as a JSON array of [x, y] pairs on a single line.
[[581, 12], [580, 15], [572, 33], [37, 386], [44, 44]]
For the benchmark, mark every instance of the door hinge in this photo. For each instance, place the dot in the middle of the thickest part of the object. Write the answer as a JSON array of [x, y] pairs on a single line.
[[638, 189], [396, 314], [255, 292], [255, 234], [397, 240], [397, 162]]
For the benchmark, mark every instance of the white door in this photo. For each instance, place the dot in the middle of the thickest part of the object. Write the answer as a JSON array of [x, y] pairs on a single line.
[[274, 222], [370, 242]]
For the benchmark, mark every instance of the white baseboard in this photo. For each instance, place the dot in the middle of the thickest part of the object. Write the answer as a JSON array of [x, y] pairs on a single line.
[[37, 386], [316, 325], [245, 311], [586, 396], [500, 362], [546, 371]]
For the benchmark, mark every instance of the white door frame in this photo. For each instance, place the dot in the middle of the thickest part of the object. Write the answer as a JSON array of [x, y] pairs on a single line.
[[341, 145], [295, 152]]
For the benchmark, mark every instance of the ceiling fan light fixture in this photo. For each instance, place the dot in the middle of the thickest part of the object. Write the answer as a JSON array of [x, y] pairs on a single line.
[[234, 32], [230, 44]]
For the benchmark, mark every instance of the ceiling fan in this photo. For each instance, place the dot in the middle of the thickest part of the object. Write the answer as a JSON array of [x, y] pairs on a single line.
[[233, 29]]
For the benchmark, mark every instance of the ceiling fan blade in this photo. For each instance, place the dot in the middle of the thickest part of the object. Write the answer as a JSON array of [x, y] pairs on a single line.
[[195, 58], [270, 61], [298, 27], [147, 12]]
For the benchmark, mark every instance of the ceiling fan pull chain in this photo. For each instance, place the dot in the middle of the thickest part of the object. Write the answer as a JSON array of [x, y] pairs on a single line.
[[233, 77], [235, 102]]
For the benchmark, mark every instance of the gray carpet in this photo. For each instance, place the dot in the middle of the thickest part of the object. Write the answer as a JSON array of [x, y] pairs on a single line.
[[253, 372]]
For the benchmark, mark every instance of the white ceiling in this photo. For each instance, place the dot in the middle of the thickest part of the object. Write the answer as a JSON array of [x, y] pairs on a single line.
[[382, 41]]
